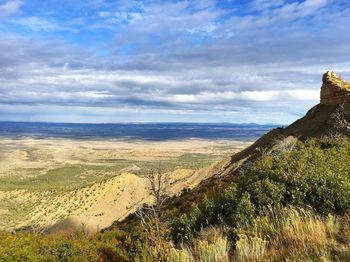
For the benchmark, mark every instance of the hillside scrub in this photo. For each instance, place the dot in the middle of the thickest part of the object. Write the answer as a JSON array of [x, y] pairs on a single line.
[[280, 234], [314, 175], [28, 247], [291, 206]]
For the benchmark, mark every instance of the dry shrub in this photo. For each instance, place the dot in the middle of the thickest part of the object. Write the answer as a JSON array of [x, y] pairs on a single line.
[[280, 234], [333, 224], [294, 234], [345, 228], [341, 247], [210, 246], [179, 255], [215, 252], [250, 248], [211, 234]]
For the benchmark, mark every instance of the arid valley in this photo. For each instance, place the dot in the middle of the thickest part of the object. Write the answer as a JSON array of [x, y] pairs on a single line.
[[174, 131], [92, 182]]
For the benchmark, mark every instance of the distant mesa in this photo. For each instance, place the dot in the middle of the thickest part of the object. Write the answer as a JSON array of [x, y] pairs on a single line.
[[335, 91]]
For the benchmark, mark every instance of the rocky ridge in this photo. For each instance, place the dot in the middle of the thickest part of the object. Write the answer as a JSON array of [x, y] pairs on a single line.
[[331, 117], [335, 91]]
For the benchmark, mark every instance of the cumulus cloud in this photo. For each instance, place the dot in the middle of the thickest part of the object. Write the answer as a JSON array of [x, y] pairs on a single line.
[[193, 59], [259, 5], [9, 7], [40, 24]]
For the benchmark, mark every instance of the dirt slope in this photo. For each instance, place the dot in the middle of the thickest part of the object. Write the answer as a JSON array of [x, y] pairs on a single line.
[[97, 206]]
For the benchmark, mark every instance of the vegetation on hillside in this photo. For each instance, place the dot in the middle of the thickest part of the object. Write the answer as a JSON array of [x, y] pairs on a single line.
[[291, 204], [278, 234], [74, 176], [313, 175]]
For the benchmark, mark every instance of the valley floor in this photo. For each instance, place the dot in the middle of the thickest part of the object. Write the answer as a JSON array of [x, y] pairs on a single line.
[[43, 181]]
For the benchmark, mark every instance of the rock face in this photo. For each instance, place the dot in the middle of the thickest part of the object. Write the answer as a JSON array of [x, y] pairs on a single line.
[[335, 91], [331, 117]]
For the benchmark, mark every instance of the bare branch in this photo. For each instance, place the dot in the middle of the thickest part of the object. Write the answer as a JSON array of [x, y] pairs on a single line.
[[150, 215], [341, 125]]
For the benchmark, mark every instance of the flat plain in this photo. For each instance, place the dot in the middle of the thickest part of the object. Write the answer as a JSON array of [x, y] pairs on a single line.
[[39, 176]]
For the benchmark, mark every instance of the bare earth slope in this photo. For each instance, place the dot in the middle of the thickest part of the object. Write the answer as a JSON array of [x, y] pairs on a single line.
[[97, 206]]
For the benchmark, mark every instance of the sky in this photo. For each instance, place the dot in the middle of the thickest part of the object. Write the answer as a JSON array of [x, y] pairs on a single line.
[[102, 61]]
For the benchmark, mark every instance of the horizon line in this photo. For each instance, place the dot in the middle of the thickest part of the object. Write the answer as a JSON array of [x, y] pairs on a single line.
[[138, 122]]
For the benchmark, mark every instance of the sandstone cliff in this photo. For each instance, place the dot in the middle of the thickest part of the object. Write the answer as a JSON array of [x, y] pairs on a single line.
[[331, 117], [335, 91]]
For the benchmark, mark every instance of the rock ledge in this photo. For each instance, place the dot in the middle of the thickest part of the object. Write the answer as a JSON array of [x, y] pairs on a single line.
[[335, 91]]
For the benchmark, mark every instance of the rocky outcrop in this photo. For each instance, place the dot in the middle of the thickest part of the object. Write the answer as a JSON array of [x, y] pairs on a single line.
[[329, 118], [335, 91]]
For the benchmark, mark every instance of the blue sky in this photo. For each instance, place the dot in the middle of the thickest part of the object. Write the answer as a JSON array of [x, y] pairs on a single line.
[[163, 61]]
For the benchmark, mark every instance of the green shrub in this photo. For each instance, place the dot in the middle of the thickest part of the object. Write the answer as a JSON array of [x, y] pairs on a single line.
[[27, 247], [314, 174]]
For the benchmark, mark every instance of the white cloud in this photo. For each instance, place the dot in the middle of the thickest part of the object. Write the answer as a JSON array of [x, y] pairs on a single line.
[[10, 7], [255, 96], [277, 12], [37, 24], [104, 14], [266, 4], [182, 62], [299, 94], [297, 10]]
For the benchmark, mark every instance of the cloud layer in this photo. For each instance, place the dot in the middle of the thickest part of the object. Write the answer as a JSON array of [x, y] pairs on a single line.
[[208, 61]]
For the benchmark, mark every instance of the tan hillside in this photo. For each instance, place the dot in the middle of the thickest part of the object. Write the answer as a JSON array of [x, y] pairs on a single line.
[[96, 207]]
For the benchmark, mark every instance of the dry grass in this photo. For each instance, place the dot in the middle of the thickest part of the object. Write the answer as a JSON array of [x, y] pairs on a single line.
[[211, 246], [180, 255], [295, 233], [287, 234], [250, 248]]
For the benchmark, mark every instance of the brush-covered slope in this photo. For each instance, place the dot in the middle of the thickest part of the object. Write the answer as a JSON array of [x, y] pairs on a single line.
[[97, 206]]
